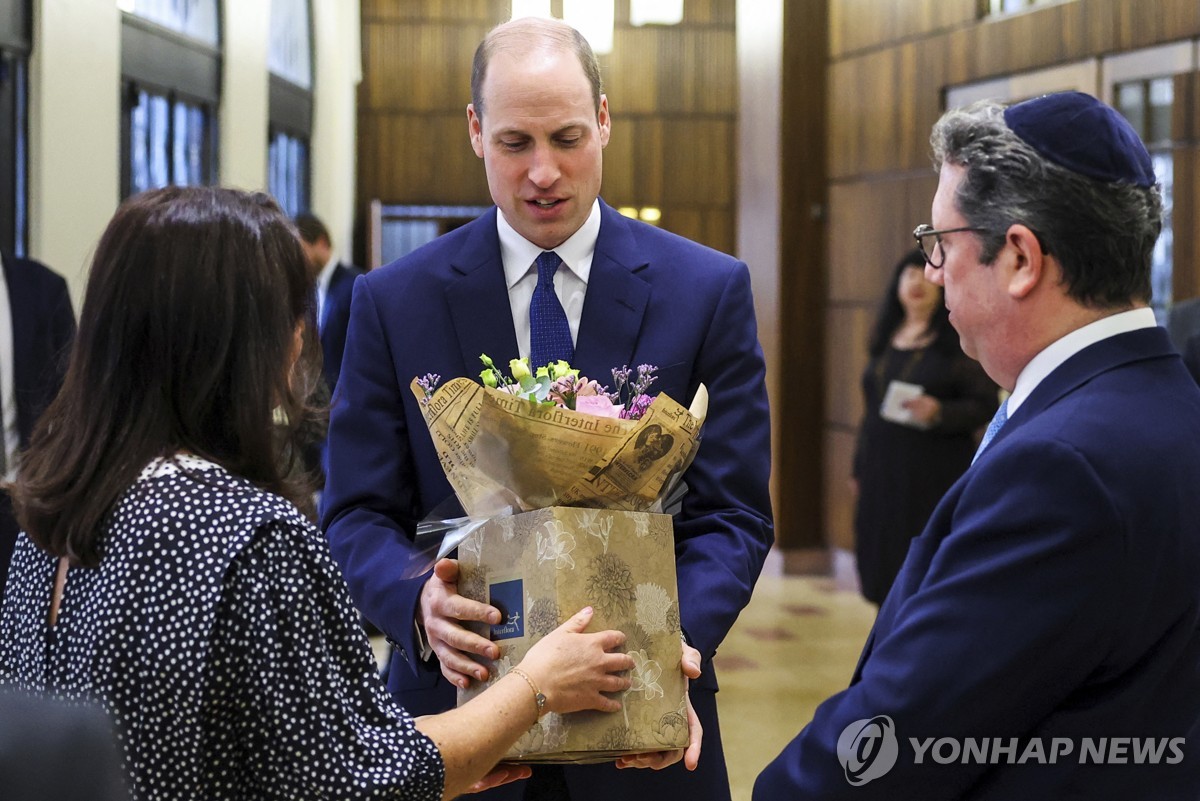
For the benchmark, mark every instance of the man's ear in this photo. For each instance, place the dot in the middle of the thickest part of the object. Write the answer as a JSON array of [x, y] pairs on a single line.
[[604, 121], [475, 130], [1030, 266]]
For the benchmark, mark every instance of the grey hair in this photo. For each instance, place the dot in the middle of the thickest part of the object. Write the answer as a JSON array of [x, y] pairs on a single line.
[[1102, 234], [525, 34]]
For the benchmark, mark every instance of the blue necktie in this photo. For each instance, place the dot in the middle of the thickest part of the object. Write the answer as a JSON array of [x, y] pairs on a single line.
[[549, 331], [993, 428]]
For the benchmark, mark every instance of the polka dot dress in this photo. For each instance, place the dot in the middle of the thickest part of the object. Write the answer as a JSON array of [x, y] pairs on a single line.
[[219, 635]]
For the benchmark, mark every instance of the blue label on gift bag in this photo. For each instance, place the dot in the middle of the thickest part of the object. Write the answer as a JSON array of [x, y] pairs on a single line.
[[509, 598]]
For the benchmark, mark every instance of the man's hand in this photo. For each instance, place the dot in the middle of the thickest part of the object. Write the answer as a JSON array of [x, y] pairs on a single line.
[[657, 760], [440, 612]]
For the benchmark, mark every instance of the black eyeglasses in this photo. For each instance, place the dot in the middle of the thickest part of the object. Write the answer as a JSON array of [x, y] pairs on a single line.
[[933, 254]]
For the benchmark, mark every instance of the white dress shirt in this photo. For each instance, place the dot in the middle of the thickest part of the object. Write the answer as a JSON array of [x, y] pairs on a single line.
[[323, 279], [1062, 349], [570, 284]]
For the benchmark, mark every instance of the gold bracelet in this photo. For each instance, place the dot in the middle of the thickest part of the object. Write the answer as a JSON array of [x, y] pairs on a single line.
[[538, 698]]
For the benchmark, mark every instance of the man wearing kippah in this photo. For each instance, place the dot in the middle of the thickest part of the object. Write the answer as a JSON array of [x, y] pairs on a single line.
[[1042, 640]]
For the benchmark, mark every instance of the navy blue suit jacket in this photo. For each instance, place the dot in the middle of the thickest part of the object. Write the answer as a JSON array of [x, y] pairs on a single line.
[[1055, 593], [653, 298], [336, 319], [43, 325]]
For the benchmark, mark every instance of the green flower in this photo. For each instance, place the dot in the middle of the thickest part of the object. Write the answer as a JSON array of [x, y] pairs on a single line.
[[487, 360], [519, 368], [560, 368], [488, 377]]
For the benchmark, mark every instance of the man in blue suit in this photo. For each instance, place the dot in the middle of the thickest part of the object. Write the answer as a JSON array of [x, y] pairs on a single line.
[[36, 329], [1042, 640], [630, 294], [335, 283]]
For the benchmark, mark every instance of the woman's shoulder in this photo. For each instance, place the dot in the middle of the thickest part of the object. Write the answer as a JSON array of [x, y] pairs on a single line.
[[191, 495]]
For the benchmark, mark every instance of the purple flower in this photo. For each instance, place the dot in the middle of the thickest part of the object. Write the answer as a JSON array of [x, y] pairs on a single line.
[[637, 407]]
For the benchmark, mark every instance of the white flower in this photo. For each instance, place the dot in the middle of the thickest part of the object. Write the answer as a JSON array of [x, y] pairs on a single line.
[[653, 609], [556, 545], [641, 526], [599, 527], [644, 676], [508, 529]]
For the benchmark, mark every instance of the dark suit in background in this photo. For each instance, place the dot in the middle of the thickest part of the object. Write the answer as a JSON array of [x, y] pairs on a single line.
[[335, 319], [43, 325]]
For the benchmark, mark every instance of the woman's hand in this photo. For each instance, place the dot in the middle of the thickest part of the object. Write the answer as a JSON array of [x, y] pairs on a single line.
[[572, 669], [926, 410]]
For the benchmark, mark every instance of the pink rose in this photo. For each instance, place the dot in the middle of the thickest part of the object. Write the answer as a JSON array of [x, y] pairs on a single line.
[[598, 405]]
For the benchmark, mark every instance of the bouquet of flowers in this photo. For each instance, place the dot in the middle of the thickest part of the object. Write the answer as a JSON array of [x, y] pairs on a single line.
[[548, 436], [560, 477]]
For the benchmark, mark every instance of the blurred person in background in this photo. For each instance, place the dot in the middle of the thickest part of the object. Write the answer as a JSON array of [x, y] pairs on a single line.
[[915, 443], [36, 327]]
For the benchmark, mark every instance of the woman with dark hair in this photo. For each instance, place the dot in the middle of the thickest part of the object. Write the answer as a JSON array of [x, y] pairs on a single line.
[[924, 399], [166, 574]]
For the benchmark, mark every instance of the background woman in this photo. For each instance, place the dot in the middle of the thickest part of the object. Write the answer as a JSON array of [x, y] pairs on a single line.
[[908, 457], [166, 574]]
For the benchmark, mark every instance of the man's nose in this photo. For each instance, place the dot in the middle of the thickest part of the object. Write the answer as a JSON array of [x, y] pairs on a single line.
[[544, 171], [933, 274]]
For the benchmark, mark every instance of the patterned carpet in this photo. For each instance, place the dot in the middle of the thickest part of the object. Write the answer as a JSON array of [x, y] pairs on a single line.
[[795, 645]]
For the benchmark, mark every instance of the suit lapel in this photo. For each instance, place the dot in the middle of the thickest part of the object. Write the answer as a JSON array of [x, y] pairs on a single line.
[[478, 298], [616, 300]]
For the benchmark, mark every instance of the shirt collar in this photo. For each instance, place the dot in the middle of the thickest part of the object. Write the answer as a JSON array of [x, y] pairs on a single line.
[[518, 253], [326, 274], [1064, 348]]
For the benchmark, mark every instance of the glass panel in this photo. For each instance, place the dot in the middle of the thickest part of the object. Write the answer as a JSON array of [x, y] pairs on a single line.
[[159, 142], [1162, 97], [290, 56], [179, 130], [187, 147], [401, 237], [1131, 102], [287, 171], [196, 19], [139, 153], [1162, 259]]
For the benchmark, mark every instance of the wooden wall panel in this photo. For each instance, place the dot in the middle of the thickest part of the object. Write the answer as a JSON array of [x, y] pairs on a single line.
[[848, 329], [889, 66], [864, 24], [800, 461], [1185, 128], [672, 93], [870, 227], [839, 500]]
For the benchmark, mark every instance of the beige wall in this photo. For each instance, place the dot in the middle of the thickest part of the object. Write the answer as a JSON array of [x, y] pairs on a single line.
[[74, 131], [760, 70]]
